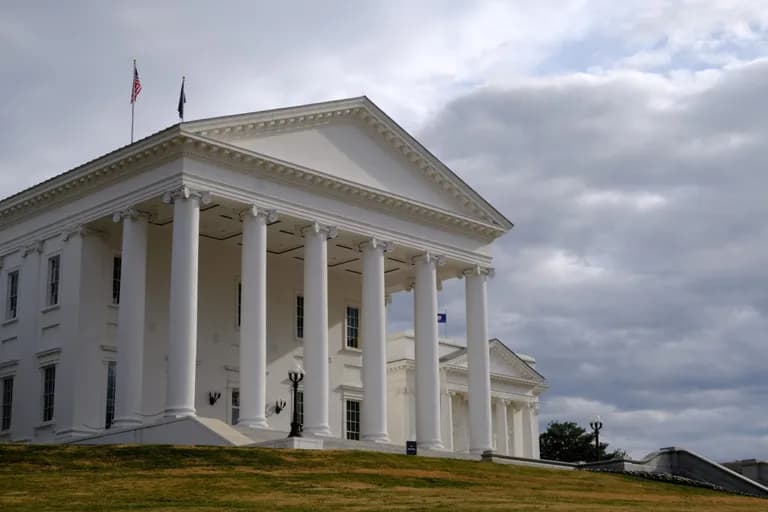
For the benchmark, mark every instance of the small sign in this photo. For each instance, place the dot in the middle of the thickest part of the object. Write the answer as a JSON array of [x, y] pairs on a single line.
[[410, 447], [442, 318]]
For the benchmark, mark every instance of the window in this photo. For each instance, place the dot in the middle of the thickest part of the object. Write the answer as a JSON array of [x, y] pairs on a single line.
[[239, 302], [111, 386], [353, 419], [54, 270], [117, 267], [299, 316], [353, 327], [235, 414], [12, 296], [7, 403], [49, 388]]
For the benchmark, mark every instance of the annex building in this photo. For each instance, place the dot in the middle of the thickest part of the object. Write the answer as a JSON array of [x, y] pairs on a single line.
[[169, 286]]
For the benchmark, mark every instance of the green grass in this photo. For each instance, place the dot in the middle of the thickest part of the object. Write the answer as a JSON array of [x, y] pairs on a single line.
[[169, 478]]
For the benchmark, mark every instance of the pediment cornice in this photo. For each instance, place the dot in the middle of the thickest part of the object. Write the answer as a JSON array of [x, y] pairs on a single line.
[[368, 114], [275, 168]]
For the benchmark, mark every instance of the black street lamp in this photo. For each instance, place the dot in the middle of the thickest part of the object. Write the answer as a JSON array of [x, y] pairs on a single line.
[[596, 425], [295, 376]]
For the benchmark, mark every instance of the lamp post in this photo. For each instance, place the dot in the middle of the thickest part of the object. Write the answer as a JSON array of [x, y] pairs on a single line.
[[596, 425], [295, 376]]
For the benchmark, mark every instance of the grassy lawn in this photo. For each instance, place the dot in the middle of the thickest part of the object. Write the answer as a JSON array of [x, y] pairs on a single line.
[[201, 478]]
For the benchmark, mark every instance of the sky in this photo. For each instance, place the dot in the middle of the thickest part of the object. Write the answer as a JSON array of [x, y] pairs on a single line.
[[625, 140]]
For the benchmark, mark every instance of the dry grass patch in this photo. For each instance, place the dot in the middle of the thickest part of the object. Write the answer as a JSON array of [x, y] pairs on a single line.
[[116, 478]]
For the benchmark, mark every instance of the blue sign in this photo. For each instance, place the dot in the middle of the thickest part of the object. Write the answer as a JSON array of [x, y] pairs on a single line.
[[410, 447], [442, 318]]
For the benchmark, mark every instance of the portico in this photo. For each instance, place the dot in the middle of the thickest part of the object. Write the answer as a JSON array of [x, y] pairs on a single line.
[[379, 267], [235, 248]]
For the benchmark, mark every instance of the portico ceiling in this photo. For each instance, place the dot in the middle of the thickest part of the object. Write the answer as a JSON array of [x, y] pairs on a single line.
[[220, 222]]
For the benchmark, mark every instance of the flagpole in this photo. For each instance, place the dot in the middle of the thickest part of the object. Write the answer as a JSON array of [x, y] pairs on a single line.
[[133, 102]]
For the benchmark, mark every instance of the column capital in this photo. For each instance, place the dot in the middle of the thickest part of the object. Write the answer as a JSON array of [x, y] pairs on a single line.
[[184, 192], [375, 243], [129, 213], [81, 231], [534, 408], [270, 214], [477, 270], [430, 258], [315, 227], [35, 247]]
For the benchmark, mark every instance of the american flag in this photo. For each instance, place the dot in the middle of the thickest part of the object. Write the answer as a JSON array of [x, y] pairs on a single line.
[[136, 89]]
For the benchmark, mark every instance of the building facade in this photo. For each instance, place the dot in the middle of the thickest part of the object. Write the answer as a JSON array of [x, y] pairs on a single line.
[[184, 275]]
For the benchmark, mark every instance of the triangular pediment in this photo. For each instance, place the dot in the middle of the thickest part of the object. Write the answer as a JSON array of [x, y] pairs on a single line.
[[354, 141], [503, 362]]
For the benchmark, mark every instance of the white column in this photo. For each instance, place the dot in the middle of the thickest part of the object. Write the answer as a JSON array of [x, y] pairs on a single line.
[[518, 441], [479, 375], [182, 316], [502, 428], [316, 386], [449, 441], [374, 338], [130, 319], [253, 318], [427, 353], [533, 417]]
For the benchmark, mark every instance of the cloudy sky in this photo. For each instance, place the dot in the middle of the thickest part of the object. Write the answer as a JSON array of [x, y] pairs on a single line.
[[626, 140]]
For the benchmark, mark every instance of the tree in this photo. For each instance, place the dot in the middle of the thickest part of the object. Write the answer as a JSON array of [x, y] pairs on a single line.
[[566, 441]]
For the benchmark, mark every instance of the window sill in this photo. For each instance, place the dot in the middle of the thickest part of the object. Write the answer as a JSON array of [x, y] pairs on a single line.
[[5, 434], [112, 305], [352, 350], [52, 307], [10, 321], [46, 425]]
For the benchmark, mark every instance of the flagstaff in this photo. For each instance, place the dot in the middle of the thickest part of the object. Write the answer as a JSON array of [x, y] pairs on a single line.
[[135, 90]]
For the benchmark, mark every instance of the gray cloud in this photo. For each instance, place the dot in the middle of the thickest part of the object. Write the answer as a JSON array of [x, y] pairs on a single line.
[[636, 273]]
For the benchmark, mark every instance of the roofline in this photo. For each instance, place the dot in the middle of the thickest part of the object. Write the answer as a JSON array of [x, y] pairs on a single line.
[[122, 151], [497, 340]]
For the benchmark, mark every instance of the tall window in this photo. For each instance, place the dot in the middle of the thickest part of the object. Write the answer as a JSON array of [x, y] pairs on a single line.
[[239, 302], [7, 403], [49, 390], [117, 266], [12, 296], [299, 316], [235, 413], [353, 419], [111, 387], [353, 327], [54, 271]]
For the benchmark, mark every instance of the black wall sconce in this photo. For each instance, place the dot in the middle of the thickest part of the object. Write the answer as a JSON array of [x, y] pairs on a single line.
[[213, 397], [279, 406]]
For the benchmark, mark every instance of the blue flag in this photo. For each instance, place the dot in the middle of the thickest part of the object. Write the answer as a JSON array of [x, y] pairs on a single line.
[[442, 318]]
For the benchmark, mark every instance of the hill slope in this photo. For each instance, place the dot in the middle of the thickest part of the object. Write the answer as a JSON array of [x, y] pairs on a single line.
[[202, 478]]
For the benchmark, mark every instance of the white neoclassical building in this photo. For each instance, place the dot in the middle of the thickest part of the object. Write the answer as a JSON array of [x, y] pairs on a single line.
[[163, 291]]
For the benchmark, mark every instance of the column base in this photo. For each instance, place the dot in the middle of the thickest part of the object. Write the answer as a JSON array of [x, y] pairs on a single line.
[[128, 422], [317, 431], [179, 412], [375, 438], [253, 423], [480, 451], [430, 445]]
